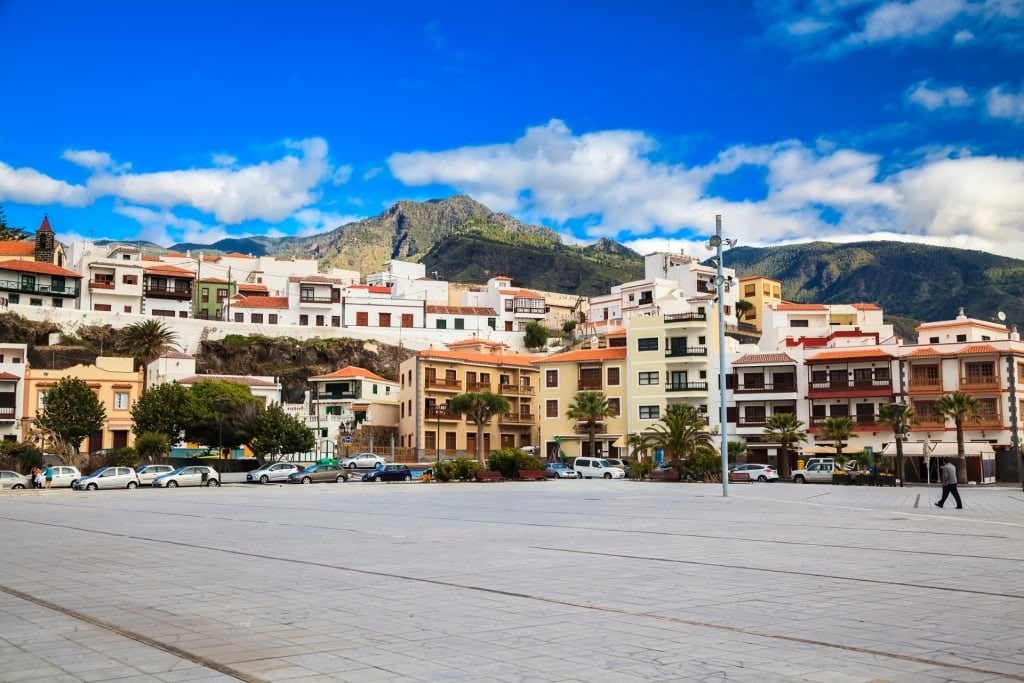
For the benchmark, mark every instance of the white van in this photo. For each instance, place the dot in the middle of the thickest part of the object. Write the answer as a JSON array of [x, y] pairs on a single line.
[[588, 468]]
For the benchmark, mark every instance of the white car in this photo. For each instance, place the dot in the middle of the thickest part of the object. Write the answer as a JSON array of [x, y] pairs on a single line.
[[147, 473], [13, 480], [64, 476], [190, 475], [272, 471], [362, 460], [757, 471], [108, 478], [818, 472]]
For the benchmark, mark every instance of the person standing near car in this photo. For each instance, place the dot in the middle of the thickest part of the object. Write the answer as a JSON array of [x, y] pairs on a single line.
[[48, 476], [948, 474]]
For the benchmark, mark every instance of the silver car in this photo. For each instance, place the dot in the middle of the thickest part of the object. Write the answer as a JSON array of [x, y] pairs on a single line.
[[272, 471], [362, 460], [108, 478], [190, 475], [147, 473], [13, 480]]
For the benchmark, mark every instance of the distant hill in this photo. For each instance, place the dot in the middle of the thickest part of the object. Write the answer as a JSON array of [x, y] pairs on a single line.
[[251, 246]]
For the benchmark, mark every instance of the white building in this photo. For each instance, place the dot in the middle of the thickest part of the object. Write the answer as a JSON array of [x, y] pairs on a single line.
[[12, 390]]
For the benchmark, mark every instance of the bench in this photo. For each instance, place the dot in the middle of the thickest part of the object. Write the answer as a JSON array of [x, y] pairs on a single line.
[[489, 475], [739, 476], [532, 475]]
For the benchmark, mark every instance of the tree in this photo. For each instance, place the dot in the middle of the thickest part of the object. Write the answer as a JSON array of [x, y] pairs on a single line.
[[275, 432], [743, 309], [536, 335], [838, 430], [70, 413], [149, 339], [787, 430], [479, 407], [221, 413], [7, 233], [164, 409], [899, 417], [590, 407], [152, 447], [959, 407], [681, 432]]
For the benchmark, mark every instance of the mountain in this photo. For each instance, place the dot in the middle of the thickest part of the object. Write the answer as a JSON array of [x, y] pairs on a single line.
[[252, 246]]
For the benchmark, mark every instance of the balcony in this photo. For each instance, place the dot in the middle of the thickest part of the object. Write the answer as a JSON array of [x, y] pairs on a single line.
[[924, 383], [687, 351], [686, 317], [6, 412], [440, 413], [65, 290], [859, 421], [318, 300], [478, 386], [766, 388], [872, 386], [518, 389], [979, 382], [334, 395], [101, 284], [443, 384], [599, 428], [687, 386], [182, 293], [589, 385], [518, 418], [752, 421]]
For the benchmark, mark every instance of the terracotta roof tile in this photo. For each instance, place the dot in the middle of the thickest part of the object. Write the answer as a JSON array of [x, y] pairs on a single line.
[[519, 360], [523, 293], [235, 254], [850, 353], [38, 268], [351, 372], [168, 269], [8, 376], [280, 302], [45, 225], [979, 348], [19, 248], [476, 341], [583, 355], [867, 307], [785, 306], [251, 287], [927, 351], [763, 359]]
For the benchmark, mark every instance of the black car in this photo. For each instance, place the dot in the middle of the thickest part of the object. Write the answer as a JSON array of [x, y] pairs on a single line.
[[390, 472]]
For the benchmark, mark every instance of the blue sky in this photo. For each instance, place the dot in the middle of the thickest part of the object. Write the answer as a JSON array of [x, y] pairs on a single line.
[[638, 120]]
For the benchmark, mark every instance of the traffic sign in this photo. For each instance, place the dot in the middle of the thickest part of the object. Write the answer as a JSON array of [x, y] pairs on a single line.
[[348, 439]]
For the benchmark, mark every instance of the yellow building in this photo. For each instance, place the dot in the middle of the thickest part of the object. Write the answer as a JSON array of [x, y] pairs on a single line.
[[761, 292], [114, 381], [429, 380], [562, 377]]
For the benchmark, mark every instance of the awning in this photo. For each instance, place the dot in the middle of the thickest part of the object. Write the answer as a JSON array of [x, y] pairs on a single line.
[[848, 449], [941, 449]]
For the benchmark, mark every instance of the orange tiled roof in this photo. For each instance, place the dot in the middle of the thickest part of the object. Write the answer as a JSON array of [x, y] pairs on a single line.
[[251, 287], [584, 355], [168, 269], [520, 360], [20, 248], [235, 254], [979, 348], [851, 353], [866, 307], [524, 293], [174, 254], [150, 257], [476, 341], [45, 225], [763, 359], [927, 351], [8, 376], [262, 302], [38, 268], [785, 306], [463, 310], [351, 372], [617, 333]]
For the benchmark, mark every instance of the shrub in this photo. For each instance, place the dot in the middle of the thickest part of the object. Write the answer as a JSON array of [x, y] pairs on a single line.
[[641, 469], [463, 468], [509, 461]]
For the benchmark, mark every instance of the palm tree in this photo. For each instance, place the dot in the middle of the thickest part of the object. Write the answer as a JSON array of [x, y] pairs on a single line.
[[900, 417], [479, 407], [787, 430], [147, 340], [590, 407], [681, 432], [838, 430], [959, 407]]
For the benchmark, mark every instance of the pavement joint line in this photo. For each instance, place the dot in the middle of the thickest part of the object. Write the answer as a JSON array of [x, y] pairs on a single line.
[[132, 635]]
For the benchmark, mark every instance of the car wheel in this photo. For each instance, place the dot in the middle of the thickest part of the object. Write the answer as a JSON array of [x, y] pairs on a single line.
[[762, 478], [340, 479], [607, 475], [379, 480], [264, 479], [407, 477], [18, 486], [91, 487], [212, 482], [132, 485], [307, 480], [579, 476], [172, 484], [351, 465], [799, 479]]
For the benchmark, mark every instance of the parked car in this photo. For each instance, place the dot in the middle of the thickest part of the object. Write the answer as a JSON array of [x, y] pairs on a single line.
[[108, 478], [556, 470], [818, 472], [64, 476], [13, 480], [589, 468], [362, 460], [391, 472], [621, 464], [757, 471], [272, 471], [147, 473], [319, 473], [190, 475]]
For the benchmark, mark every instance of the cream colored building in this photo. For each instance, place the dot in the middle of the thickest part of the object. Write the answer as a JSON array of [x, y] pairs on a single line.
[[562, 377], [429, 381], [760, 292], [114, 381]]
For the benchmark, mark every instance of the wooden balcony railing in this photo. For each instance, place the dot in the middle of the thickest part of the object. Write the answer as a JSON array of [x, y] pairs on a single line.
[[478, 386], [515, 389], [444, 384], [978, 382], [519, 418], [101, 284], [589, 385], [767, 387], [440, 413]]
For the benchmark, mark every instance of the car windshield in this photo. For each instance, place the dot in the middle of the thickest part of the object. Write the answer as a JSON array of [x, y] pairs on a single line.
[[312, 468], [604, 463], [179, 470]]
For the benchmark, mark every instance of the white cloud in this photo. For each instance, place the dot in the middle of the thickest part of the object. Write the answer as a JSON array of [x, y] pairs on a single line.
[[88, 158], [901, 20], [223, 159], [269, 191], [163, 227], [963, 37], [607, 182], [341, 175], [930, 98], [313, 221], [1002, 104], [29, 186]]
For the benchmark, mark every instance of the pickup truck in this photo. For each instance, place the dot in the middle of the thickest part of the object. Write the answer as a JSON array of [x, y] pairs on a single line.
[[816, 472]]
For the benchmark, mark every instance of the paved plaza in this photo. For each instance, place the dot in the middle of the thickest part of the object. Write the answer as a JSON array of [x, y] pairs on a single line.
[[563, 580]]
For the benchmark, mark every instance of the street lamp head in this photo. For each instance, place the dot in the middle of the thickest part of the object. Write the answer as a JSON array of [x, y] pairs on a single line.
[[715, 241]]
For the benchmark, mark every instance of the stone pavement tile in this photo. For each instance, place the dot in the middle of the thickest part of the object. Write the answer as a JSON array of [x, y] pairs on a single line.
[[35, 671], [110, 674], [194, 674]]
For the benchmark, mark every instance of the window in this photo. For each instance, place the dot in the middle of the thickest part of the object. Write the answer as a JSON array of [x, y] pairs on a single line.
[[702, 341], [449, 441], [407, 320], [460, 324], [551, 408], [272, 318], [204, 294], [882, 374], [304, 319], [551, 377], [42, 399], [257, 318], [647, 344], [491, 323], [130, 279], [442, 324], [961, 337], [362, 319], [319, 321], [799, 323], [127, 309], [650, 412], [614, 407], [647, 378], [239, 317], [58, 303], [221, 295], [335, 321], [383, 320], [613, 376], [95, 307], [979, 373], [35, 302], [15, 298], [933, 340], [508, 304], [121, 400], [750, 290]]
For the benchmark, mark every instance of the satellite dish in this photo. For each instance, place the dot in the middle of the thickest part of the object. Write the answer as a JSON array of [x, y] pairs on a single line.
[[1001, 316]]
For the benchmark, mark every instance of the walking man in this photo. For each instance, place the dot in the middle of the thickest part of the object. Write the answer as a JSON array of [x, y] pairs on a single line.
[[948, 475]]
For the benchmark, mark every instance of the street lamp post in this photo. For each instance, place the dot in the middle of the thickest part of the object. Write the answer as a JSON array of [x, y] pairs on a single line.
[[716, 243], [219, 401], [437, 434]]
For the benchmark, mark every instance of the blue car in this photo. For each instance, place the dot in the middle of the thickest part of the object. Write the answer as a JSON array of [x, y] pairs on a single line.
[[390, 472]]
